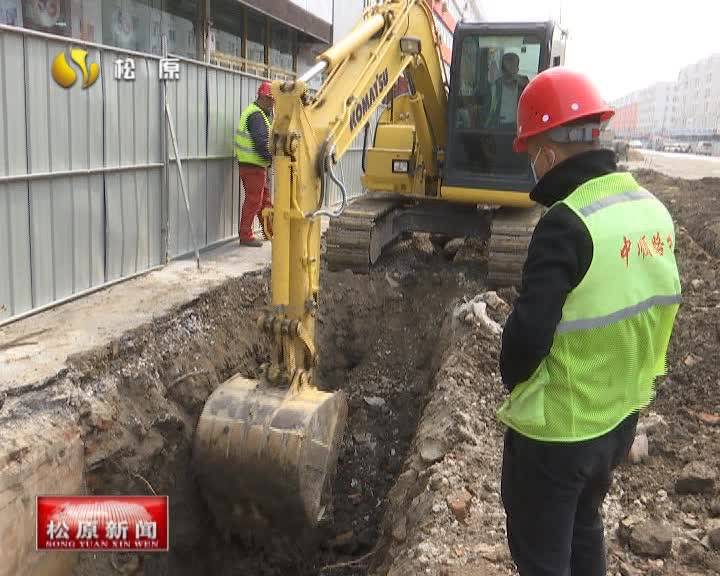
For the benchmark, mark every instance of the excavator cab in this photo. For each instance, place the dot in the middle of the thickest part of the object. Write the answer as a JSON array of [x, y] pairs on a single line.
[[491, 65]]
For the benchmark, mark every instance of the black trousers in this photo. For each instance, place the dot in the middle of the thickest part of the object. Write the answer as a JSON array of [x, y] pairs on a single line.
[[552, 493]]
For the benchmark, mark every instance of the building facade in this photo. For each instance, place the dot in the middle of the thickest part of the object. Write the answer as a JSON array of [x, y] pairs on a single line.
[[262, 37], [688, 109], [696, 103], [645, 114]]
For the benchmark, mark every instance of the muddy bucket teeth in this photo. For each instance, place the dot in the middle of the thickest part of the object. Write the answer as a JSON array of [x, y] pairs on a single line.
[[265, 459]]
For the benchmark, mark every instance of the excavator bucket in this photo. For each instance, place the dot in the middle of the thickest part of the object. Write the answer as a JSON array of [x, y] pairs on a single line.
[[266, 459]]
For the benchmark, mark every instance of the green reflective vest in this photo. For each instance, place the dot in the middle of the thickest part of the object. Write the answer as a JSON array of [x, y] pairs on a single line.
[[611, 342], [244, 146]]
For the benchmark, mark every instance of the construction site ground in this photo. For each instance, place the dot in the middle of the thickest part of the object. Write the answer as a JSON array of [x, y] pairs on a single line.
[[417, 489]]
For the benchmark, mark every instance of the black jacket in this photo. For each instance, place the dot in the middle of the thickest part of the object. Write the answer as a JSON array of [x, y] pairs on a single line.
[[259, 134], [558, 258]]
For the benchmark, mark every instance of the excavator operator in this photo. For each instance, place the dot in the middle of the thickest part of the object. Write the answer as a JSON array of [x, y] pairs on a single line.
[[506, 92], [588, 334]]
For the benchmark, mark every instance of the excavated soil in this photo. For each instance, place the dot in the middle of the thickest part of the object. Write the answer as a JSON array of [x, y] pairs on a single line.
[[380, 342], [417, 490], [444, 514]]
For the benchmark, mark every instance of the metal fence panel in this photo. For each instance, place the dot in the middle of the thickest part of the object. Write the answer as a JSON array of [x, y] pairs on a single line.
[[132, 138], [222, 217], [65, 211], [15, 277], [91, 208], [187, 100]]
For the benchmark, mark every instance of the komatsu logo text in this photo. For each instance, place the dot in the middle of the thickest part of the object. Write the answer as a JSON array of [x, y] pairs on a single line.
[[381, 81]]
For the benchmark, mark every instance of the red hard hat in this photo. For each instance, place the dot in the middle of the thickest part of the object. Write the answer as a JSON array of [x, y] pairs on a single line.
[[265, 89], [555, 97]]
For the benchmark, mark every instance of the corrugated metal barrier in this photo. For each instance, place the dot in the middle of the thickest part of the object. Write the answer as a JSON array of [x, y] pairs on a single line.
[[89, 189]]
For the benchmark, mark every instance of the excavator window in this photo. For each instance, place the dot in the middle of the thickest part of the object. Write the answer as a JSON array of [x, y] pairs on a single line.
[[493, 72]]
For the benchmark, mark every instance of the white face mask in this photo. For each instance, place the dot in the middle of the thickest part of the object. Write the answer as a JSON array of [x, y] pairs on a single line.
[[532, 165], [533, 162]]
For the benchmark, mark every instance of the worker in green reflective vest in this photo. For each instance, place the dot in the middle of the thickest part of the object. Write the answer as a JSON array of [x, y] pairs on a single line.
[[588, 334], [252, 151]]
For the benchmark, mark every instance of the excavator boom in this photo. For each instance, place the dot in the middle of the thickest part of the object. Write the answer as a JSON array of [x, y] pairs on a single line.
[[265, 450]]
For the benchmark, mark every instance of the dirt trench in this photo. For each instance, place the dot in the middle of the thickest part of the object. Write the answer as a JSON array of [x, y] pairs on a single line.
[[380, 341]]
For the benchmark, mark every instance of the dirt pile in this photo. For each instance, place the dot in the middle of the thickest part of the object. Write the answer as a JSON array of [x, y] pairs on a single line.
[[417, 489], [662, 516], [444, 514], [695, 204], [138, 400]]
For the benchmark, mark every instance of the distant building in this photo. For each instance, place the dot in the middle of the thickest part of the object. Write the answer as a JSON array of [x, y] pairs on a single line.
[[687, 109], [696, 106], [646, 113]]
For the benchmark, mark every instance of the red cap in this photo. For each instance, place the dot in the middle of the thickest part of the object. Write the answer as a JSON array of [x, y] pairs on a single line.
[[265, 89], [555, 97]]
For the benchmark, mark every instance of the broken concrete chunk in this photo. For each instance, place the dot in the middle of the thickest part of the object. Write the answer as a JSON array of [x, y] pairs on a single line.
[[399, 531], [436, 481], [715, 507], [452, 246], [651, 538], [696, 478], [374, 401], [432, 450], [494, 553], [626, 526], [639, 450], [649, 423], [494, 301]]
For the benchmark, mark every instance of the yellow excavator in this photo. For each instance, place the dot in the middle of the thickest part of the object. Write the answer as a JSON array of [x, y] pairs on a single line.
[[441, 162]]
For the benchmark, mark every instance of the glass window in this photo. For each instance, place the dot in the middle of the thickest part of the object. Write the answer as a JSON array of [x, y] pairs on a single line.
[[494, 70], [282, 47], [127, 24], [255, 38], [51, 16], [9, 13], [227, 26], [139, 25], [86, 22]]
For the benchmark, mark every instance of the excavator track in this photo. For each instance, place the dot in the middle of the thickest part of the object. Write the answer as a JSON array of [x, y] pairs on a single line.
[[510, 235], [356, 239]]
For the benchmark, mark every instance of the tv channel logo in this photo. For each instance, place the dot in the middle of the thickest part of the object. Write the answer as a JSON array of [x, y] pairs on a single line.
[[65, 75]]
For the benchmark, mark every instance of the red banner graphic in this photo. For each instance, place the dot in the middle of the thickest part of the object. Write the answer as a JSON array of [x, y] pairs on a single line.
[[97, 523]]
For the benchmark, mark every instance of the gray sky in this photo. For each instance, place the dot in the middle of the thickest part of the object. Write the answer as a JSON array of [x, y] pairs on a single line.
[[624, 45]]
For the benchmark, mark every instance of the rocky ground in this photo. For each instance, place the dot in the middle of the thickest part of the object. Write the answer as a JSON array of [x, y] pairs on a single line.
[[663, 515], [138, 400], [416, 350]]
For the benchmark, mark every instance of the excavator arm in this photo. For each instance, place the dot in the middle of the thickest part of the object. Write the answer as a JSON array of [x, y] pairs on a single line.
[[266, 449], [311, 133]]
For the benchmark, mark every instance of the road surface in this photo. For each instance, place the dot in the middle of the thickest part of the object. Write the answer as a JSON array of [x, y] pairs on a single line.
[[689, 166]]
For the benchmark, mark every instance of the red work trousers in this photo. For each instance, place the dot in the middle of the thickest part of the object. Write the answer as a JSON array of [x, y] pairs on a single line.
[[257, 197]]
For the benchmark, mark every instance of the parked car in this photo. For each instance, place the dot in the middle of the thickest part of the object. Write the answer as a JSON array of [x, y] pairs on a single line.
[[704, 148], [636, 144], [683, 147]]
